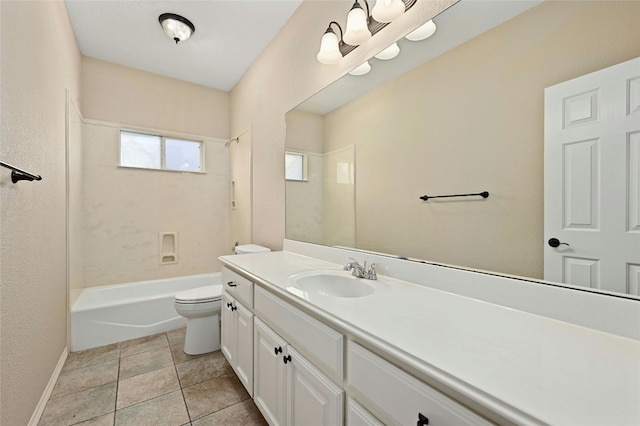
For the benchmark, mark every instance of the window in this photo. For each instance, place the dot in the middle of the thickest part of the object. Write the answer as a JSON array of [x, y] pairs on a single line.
[[295, 166], [160, 153]]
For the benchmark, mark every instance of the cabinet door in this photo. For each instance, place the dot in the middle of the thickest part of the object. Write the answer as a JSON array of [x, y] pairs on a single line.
[[313, 399], [269, 391], [244, 352], [229, 325]]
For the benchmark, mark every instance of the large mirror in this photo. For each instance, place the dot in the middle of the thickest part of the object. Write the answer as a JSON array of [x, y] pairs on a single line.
[[459, 112]]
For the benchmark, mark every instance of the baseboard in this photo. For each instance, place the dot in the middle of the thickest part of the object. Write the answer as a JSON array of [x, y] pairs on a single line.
[[37, 413]]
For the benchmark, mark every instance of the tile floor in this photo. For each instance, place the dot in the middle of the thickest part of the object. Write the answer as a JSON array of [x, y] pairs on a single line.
[[149, 381]]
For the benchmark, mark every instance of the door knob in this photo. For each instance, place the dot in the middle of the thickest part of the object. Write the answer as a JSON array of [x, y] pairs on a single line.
[[554, 242]]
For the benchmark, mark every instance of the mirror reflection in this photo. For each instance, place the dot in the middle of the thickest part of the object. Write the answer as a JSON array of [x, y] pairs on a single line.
[[469, 119]]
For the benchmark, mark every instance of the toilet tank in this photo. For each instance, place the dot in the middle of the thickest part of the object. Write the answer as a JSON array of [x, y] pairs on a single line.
[[250, 248]]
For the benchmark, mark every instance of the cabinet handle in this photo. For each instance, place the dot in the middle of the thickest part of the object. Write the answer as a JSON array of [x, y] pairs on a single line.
[[278, 350], [422, 420], [229, 304], [232, 284], [286, 359], [233, 308]]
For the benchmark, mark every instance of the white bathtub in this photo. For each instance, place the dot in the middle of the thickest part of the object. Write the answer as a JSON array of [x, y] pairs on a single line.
[[114, 313]]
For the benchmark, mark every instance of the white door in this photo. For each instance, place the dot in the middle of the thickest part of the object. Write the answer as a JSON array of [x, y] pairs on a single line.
[[592, 180], [244, 353], [269, 383], [313, 399]]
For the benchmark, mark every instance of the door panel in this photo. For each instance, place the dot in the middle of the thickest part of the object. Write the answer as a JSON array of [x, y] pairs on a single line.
[[592, 179]]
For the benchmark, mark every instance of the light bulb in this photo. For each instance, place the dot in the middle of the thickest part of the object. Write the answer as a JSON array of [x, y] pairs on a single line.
[[361, 69], [422, 32], [389, 53], [387, 10], [329, 53], [357, 31]]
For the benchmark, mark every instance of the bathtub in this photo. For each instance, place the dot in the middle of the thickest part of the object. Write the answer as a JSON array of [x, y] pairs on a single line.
[[114, 313]]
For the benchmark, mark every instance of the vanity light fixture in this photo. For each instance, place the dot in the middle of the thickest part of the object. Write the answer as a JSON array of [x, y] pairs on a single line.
[[330, 53], [387, 10], [361, 69], [360, 27], [357, 30], [422, 32], [176, 27], [389, 53]]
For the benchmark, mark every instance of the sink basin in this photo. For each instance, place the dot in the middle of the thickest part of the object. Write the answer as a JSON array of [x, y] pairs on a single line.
[[329, 282]]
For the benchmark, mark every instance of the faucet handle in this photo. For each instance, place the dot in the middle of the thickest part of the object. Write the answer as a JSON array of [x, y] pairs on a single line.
[[371, 272]]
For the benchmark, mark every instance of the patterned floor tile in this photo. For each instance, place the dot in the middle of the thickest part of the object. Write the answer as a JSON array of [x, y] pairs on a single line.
[[77, 407], [145, 362], [146, 386], [79, 379], [202, 369], [92, 356], [213, 395], [143, 344], [244, 413], [165, 410]]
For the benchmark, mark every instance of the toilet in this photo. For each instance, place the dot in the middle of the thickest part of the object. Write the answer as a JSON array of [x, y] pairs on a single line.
[[201, 307], [250, 248]]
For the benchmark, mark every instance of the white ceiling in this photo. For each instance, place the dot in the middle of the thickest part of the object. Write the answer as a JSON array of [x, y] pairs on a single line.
[[229, 36]]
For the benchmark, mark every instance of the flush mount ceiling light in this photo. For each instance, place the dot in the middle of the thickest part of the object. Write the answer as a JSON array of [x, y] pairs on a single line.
[[176, 27], [422, 32], [360, 27]]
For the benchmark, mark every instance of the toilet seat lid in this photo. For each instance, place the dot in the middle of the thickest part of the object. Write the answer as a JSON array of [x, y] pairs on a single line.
[[250, 248], [204, 294]]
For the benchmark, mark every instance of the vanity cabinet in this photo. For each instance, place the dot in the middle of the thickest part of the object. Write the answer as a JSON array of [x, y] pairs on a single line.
[[288, 389], [237, 325], [400, 397]]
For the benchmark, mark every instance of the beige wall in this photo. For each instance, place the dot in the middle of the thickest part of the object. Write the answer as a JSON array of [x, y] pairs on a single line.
[[125, 209], [123, 95], [39, 61], [472, 120], [285, 75]]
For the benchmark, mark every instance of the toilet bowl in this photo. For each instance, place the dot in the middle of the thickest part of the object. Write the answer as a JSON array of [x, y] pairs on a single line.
[[201, 307]]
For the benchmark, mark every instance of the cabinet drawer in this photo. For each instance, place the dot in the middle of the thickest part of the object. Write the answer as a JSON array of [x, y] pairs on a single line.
[[401, 396], [318, 342], [357, 415], [238, 286]]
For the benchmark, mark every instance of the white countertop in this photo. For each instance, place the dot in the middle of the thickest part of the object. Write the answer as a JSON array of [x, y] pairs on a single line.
[[520, 365]]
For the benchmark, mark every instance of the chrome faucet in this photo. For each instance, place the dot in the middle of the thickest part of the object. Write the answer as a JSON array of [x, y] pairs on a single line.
[[360, 271]]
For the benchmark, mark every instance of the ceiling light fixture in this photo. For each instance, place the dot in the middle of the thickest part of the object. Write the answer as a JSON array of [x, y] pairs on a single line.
[[176, 27], [422, 32], [360, 27]]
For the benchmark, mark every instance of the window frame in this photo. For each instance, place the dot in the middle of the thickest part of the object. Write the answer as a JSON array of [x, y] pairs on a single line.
[[163, 157], [305, 166]]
